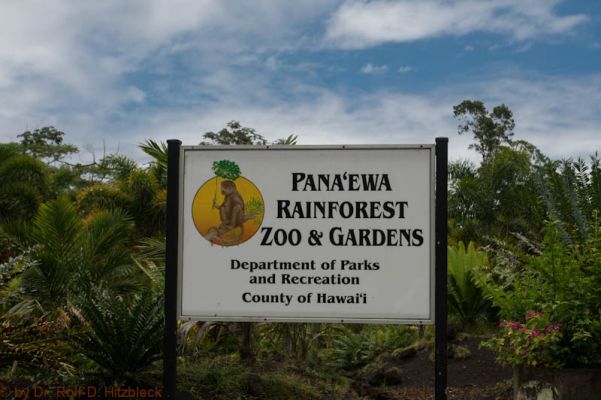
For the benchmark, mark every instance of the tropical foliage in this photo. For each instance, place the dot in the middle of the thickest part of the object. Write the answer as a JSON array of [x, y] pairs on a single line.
[[82, 270], [123, 337], [466, 299]]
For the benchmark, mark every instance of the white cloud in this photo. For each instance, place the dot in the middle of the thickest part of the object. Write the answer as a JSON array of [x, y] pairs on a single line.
[[76, 56], [405, 69], [68, 64], [359, 24], [468, 48], [370, 69], [559, 115]]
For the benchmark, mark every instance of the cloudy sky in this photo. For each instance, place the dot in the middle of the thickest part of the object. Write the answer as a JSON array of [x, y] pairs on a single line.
[[113, 73]]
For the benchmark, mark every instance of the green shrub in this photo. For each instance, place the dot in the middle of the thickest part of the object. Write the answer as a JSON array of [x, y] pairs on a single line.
[[282, 386], [351, 350], [466, 299], [562, 280], [221, 378], [123, 337], [536, 342]]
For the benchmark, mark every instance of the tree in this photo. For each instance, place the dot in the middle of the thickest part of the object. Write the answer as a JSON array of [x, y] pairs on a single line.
[[24, 184], [496, 197], [234, 133], [490, 129], [46, 143], [72, 255]]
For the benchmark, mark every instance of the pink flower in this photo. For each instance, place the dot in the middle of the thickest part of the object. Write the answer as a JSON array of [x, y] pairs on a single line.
[[530, 314]]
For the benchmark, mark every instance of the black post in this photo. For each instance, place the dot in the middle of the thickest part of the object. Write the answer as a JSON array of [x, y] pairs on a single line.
[[170, 336], [440, 367]]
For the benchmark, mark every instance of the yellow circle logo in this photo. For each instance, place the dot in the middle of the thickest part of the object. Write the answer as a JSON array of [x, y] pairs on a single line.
[[228, 212]]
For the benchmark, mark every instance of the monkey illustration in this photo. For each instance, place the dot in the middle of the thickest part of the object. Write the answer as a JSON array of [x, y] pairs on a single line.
[[231, 212]]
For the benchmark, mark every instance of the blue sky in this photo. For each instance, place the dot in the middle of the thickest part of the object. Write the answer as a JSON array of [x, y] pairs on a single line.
[[111, 74]]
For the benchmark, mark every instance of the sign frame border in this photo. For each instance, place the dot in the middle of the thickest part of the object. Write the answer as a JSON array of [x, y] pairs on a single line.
[[432, 215]]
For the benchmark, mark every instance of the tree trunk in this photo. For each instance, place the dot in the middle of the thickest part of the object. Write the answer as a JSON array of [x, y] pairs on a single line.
[[245, 349], [518, 379]]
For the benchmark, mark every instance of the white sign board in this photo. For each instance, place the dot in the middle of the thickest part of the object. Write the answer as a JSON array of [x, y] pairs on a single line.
[[307, 233]]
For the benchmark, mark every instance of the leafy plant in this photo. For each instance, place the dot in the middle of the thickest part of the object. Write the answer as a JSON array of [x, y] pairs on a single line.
[[535, 342], [157, 150], [31, 341], [72, 254], [11, 289], [562, 280], [223, 378], [571, 190], [122, 337], [255, 208], [200, 338], [295, 340], [351, 350], [291, 140], [24, 183], [465, 298]]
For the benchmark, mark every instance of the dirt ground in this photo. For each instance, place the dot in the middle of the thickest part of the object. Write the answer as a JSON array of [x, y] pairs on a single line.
[[474, 376]]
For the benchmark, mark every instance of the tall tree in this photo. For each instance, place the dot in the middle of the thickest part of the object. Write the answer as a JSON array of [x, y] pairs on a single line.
[[496, 197], [46, 143], [490, 129]]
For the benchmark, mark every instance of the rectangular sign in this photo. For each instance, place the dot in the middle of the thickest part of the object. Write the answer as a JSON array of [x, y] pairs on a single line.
[[307, 233]]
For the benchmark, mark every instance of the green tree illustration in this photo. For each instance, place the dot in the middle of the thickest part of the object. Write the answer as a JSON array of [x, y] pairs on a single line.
[[225, 169]]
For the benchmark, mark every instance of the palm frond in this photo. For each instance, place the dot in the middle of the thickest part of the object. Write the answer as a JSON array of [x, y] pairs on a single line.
[[291, 140], [122, 337], [157, 150]]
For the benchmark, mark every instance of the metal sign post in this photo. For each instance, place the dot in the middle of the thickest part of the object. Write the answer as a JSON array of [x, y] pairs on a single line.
[[440, 367], [170, 335]]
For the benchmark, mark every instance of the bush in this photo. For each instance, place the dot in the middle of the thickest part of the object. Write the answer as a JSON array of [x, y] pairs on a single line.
[[535, 342], [352, 350], [562, 280], [466, 300]]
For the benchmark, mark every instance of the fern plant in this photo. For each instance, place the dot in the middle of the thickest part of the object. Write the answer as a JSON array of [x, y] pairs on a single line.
[[465, 298], [571, 190], [122, 337]]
